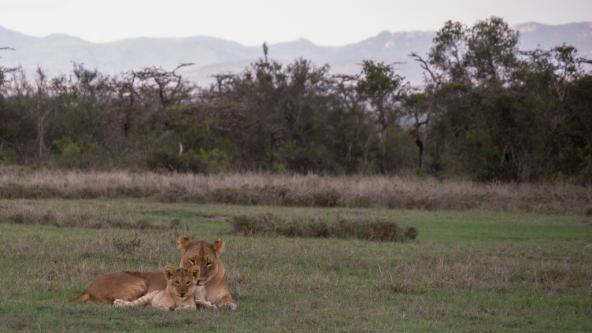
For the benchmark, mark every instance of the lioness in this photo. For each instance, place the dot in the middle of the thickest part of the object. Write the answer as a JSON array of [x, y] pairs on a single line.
[[129, 286], [213, 275], [179, 294]]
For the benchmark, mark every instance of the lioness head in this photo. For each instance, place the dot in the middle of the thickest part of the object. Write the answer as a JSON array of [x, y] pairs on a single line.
[[204, 255], [180, 281]]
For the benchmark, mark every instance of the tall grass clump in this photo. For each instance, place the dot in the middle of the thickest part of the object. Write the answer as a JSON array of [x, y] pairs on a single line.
[[345, 228]]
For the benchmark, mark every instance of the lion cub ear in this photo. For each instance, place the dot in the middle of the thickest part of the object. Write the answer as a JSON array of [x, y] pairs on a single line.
[[169, 271], [195, 270], [219, 246], [183, 243]]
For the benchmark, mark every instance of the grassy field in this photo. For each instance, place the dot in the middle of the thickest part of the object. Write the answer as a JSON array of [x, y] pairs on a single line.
[[468, 271]]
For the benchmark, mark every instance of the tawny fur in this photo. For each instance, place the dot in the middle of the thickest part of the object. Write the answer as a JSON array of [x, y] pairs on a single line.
[[122, 285], [130, 286], [179, 294], [213, 275]]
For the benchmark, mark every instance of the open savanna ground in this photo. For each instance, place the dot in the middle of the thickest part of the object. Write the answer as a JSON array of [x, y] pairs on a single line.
[[467, 271]]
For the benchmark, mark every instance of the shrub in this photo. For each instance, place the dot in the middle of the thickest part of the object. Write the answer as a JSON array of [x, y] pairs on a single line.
[[200, 161], [7, 155], [127, 246], [358, 228], [69, 152], [211, 161]]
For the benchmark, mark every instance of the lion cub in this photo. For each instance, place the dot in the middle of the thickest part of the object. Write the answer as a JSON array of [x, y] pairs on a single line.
[[180, 292]]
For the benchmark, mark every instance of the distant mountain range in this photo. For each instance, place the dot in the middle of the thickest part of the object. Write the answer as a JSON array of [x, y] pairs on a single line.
[[55, 53]]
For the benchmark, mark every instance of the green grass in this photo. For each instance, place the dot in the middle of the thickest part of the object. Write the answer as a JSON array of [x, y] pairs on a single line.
[[470, 271]]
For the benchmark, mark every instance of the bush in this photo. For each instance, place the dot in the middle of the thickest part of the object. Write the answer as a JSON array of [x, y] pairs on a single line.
[[161, 161], [210, 161], [358, 228], [201, 161], [127, 246], [7, 155], [69, 152]]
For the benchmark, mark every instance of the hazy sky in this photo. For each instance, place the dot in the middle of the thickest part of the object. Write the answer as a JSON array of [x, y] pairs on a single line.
[[325, 22]]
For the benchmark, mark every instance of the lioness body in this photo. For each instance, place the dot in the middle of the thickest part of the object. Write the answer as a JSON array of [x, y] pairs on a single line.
[[123, 285], [179, 294], [130, 286]]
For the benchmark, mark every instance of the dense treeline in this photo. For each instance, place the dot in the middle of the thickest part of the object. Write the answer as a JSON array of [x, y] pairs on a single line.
[[487, 110]]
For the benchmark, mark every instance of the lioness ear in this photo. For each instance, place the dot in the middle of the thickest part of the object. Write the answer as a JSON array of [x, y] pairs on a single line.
[[169, 271], [219, 246], [183, 243], [195, 270]]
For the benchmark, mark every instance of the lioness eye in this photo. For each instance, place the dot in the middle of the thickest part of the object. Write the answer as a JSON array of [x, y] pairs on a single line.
[[188, 283]]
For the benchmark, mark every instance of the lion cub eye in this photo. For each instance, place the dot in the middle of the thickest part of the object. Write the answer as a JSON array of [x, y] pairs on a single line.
[[177, 282], [188, 283]]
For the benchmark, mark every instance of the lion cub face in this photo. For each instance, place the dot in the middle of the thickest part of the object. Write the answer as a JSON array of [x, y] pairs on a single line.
[[181, 282]]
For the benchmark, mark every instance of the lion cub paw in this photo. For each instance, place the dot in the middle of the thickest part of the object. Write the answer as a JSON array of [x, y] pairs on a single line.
[[206, 305], [185, 308], [231, 306], [119, 303]]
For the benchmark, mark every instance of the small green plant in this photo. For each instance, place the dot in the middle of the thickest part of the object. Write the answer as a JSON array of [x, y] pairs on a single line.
[[7, 155], [126, 245], [69, 152], [212, 161]]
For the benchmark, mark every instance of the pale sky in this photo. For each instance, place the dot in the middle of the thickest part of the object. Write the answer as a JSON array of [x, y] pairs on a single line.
[[325, 22]]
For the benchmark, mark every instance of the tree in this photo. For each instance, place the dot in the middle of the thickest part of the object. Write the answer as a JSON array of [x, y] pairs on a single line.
[[5, 70], [42, 110], [491, 51], [383, 90]]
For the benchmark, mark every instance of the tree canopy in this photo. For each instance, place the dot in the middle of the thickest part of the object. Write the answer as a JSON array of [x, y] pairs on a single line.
[[486, 110]]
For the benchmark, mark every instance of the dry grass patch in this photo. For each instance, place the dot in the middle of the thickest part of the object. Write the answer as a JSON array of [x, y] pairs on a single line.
[[345, 228], [296, 190]]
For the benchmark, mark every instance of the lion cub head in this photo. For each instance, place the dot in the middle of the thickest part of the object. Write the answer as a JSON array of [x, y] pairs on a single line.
[[181, 282], [204, 255]]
